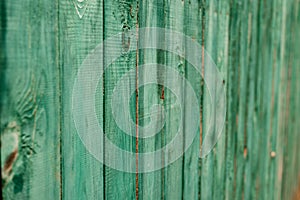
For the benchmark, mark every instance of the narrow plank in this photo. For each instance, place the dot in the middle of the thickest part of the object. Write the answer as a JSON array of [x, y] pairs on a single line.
[[192, 29], [282, 88], [151, 184], [286, 184], [289, 179], [209, 43], [120, 17], [275, 109], [241, 148], [264, 98], [29, 100], [173, 179], [232, 105], [80, 31], [222, 58], [250, 151]]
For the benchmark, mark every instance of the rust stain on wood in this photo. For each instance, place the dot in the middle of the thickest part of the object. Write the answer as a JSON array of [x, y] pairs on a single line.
[[10, 161]]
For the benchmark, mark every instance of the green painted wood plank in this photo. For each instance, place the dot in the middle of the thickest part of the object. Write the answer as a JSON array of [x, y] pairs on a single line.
[[286, 184], [29, 100], [282, 89], [264, 88], [209, 43], [232, 98], [289, 179], [119, 16], [82, 174], [222, 12], [241, 148], [192, 28], [275, 109], [151, 184], [173, 179], [250, 151]]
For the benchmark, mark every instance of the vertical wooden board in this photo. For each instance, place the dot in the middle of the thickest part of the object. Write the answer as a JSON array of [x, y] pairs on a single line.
[[215, 41], [209, 44], [151, 13], [250, 152], [173, 179], [258, 98], [192, 29], [281, 105], [263, 100], [241, 147], [292, 122], [29, 100], [290, 180], [119, 17], [297, 108], [222, 12], [232, 108], [275, 150], [297, 60], [80, 31], [295, 97], [286, 186]]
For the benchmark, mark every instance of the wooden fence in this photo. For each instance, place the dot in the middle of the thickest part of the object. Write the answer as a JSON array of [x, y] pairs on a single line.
[[256, 47]]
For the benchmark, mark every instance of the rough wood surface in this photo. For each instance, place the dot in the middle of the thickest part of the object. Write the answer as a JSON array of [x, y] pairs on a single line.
[[255, 45], [30, 108], [82, 175]]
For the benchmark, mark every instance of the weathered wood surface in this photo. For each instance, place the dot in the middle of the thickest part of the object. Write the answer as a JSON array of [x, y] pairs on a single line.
[[30, 108], [255, 45]]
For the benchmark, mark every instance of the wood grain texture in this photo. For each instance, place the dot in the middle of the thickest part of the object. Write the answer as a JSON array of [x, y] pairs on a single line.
[[151, 185], [119, 17], [255, 45], [82, 175], [29, 117]]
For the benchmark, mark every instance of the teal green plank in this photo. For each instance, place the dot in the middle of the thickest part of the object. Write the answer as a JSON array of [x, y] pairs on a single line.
[[207, 163], [151, 184], [222, 62], [82, 174], [173, 173], [232, 99], [119, 16], [29, 100], [191, 28]]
